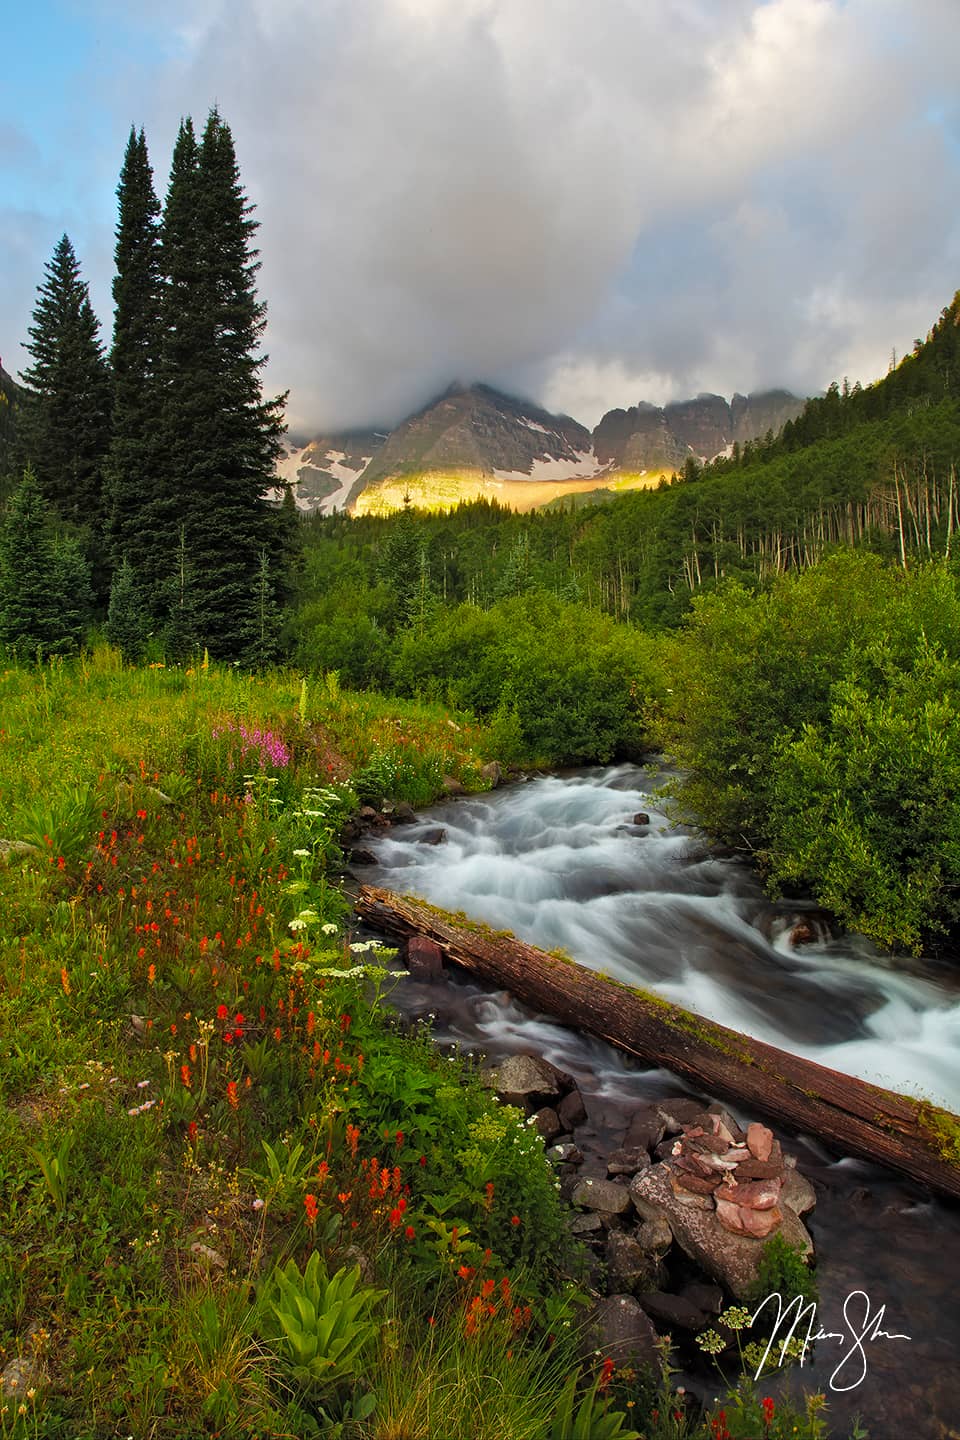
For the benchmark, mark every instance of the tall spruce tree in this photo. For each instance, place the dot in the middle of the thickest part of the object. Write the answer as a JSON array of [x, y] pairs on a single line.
[[220, 437], [66, 419], [131, 470]]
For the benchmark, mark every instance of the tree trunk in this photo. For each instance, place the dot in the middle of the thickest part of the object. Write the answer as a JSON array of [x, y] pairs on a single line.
[[908, 1135]]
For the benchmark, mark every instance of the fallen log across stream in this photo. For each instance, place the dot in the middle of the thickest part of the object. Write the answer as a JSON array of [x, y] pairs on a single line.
[[908, 1135]]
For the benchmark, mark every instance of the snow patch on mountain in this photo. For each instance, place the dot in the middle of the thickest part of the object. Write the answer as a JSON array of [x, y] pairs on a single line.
[[320, 480], [583, 467]]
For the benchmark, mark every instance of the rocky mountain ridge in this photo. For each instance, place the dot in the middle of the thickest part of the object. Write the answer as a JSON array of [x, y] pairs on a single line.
[[475, 439]]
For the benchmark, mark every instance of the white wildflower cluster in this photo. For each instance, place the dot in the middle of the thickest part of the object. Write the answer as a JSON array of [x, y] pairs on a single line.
[[303, 920]]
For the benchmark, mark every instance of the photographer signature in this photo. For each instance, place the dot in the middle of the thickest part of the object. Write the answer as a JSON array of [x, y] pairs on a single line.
[[863, 1325]]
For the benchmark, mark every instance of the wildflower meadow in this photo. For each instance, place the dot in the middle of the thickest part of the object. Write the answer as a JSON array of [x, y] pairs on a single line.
[[239, 1198]]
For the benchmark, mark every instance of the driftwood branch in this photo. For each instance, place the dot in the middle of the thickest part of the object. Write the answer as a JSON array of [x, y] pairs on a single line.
[[908, 1135]]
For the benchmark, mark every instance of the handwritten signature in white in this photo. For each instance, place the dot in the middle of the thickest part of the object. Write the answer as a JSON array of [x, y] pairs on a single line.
[[863, 1325]]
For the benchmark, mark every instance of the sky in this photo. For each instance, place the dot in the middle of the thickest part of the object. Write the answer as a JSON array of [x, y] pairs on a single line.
[[584, 202]]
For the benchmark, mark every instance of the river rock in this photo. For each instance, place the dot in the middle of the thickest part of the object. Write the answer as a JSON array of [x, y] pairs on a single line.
[[527, 1081], [641, 818], [655, 1236], [359, 856], [620, 1331], [571, 1110], [752, 1194], [678, 1112], [797, 1191], [647, 1128], [629, 1266], [741, 1220], [719, 1112], [587, 1227], [566, 1154], [603, 1195], [731, 1259], [492, 772], [452, 786], [759, 1141], [548, 1123], [403, 814], [424, 958], [627, 1162], [436, 836], [708, 1298], [674, 1312], [753, 1169]]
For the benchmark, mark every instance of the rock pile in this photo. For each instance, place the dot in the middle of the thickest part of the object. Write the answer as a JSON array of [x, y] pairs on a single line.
[[688, 1199]]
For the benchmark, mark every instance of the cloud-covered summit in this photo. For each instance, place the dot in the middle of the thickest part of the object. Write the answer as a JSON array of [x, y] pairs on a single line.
[[586, 203]]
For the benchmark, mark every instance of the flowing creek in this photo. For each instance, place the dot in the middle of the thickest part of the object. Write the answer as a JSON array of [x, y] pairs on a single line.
[[561, 863]]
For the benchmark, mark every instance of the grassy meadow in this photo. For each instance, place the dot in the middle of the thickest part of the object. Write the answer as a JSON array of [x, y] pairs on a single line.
[[239, 1199]]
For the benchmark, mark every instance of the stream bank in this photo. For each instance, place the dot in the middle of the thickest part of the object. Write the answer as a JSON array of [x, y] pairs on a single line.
[[562, 862]]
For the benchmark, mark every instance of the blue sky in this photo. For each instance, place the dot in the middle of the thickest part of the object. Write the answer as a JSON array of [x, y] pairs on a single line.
[[589, 203]]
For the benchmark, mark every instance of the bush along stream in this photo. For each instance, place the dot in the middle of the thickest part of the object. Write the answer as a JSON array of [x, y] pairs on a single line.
[[240, 1198]]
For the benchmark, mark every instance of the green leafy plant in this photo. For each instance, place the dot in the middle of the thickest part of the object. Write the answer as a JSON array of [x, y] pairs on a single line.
[[55, 1170], [591, 1419], [783, 1270], [325, 1323]]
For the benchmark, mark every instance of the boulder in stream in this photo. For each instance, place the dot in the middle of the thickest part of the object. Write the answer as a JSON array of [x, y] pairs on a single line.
[[527, 1081], [620, 1331], [729, 1258], [424, 958]]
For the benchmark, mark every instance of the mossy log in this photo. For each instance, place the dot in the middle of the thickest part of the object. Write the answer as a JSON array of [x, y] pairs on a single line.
[[855, 1118]]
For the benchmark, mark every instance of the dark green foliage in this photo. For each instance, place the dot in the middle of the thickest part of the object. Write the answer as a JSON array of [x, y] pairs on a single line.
[[821, 724], [66, 421], [220, 438], [569, 685], [405, 571], [866, 806], [11, 396], [25, 608], [181, 633], [127, 622], [131, 470], [262, 630], [783, 1271], [45, 595], [72, 594]]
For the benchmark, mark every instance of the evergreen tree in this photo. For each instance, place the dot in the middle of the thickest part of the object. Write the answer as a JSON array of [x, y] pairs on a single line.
[[220, 437], [45, 594], [71, 594], [127, 623], [262, 631], [131, 469], [67, 406], [181, 635]]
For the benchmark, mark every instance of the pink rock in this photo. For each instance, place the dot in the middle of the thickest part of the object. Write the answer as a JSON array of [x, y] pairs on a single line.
[[759, 1141], [754, 1194], [755, 1223]]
